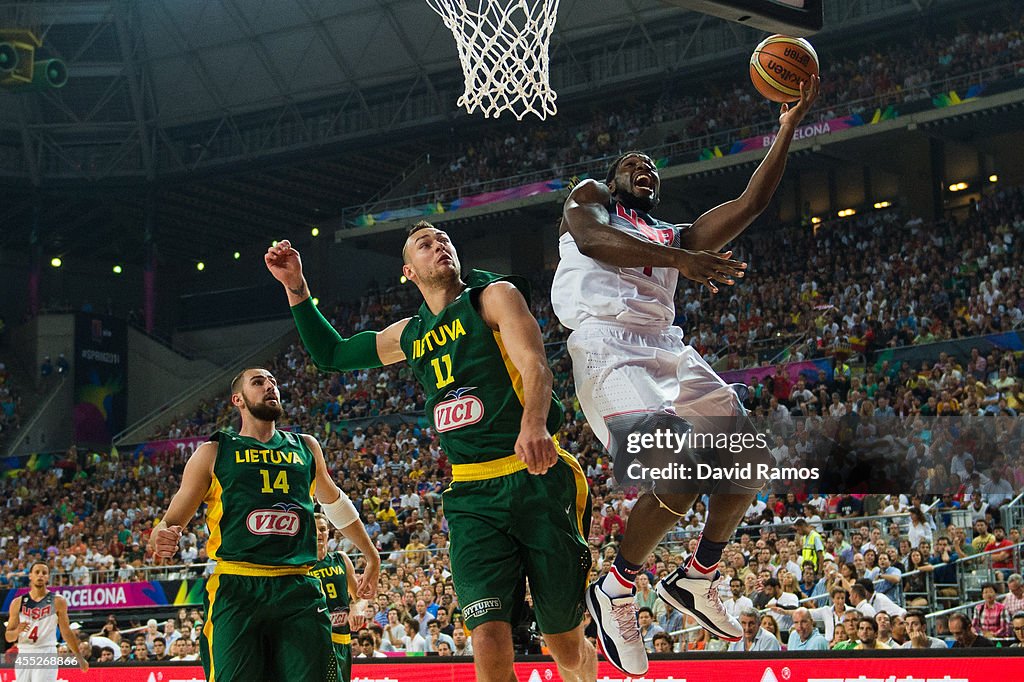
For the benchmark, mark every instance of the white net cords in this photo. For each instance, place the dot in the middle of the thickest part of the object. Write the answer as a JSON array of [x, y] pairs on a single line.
[[503, 48]]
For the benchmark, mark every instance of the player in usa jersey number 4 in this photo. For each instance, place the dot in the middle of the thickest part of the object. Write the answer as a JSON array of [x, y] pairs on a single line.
[[32, 622], [615, 287]]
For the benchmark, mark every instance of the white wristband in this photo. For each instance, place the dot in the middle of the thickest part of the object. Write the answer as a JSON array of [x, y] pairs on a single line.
[[341, 512]]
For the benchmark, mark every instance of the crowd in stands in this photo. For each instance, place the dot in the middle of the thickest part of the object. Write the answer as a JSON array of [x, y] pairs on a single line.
[[890, 284], [10, 402], [90, 515], [923, 63], [865, 581]]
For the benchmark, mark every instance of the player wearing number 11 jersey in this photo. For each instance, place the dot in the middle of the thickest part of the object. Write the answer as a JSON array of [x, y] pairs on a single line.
[[266, 617], [517, 508]]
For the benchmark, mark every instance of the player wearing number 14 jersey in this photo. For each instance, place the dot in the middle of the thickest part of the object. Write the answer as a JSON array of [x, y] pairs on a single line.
[[266, 618], [32, 622]]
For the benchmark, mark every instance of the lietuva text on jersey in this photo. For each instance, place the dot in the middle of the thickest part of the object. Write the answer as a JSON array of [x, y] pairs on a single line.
[[437, 337], [252, 456], [473, 391], [587, 288], [260, 503]]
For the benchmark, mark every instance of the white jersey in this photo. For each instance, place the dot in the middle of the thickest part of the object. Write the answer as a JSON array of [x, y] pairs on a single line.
[[41, 617], [585, 288]]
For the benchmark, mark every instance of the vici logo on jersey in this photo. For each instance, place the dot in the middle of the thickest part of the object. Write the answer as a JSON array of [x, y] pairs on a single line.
[[339, 619], [458, 411], [281, 521]]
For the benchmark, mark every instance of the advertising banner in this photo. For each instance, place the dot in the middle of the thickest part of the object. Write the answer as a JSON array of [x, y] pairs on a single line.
[[101, 378], [808, 370], [124, 595], [1005, 665], [804, 131]]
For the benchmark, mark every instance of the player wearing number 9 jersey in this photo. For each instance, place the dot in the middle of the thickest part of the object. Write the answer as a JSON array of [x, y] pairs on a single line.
[[518, 506], [337, 579], [266, 617], [32, 622]]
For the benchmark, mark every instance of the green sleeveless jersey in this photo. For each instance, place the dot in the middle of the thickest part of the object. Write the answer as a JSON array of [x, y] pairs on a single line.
[[474, 394], [332, 573], [260, 503]]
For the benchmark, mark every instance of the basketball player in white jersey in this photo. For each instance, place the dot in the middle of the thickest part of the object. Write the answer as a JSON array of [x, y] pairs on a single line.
[[615, 287], [32, 623]]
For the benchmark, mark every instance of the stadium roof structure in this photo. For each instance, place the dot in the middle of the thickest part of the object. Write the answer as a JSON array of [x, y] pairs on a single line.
[[237, 121], [243, 115]]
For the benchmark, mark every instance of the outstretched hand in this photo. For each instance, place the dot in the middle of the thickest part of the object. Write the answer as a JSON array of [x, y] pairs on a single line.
[[284, 264], [808, 93], [708, 267]]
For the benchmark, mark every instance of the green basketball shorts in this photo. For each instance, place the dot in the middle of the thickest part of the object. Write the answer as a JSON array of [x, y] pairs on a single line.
[[506, 526], [262, 627]]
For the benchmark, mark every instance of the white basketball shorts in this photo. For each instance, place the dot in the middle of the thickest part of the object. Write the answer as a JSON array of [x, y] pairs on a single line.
[[621, 370]]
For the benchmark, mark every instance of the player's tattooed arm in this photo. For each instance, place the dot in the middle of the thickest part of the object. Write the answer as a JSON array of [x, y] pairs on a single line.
[[585, 217]]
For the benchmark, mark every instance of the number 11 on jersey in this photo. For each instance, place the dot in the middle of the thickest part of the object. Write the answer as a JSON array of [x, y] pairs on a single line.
[[444, 374]]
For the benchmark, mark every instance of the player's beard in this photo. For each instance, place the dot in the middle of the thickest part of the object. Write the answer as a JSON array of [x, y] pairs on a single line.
[[263, 411], [637, 203], [442, 278]]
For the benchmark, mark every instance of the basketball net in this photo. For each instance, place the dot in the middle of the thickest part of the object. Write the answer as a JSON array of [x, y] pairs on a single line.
[[503, 48]]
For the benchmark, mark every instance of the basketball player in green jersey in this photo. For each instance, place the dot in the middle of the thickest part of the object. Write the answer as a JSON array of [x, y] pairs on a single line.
[[337, 579], [266, 618], [518, 506]]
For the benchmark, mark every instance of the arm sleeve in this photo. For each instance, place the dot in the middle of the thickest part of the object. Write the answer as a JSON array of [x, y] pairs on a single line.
[[331, 352]]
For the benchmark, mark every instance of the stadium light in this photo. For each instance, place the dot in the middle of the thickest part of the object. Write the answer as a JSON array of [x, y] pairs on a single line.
[[237, 255], [316, 301], [993, 178], [315, 232], [56, 262], [200, 266], [403, 279], [883, 204], [846, 213], [958, 187], [815, 220], [117, 270]]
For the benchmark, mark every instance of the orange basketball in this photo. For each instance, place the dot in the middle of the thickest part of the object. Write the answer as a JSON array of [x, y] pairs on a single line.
[[778, 65]]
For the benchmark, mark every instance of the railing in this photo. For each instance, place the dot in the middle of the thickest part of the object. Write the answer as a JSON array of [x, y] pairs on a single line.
[[197, 569], [696, 144], [381, 194], [1014, 512], [218, 378], [37, 415], [176, 347]]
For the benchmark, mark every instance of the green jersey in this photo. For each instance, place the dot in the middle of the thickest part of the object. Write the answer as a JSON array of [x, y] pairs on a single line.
[[474, 392], [260, 503], [332, 573]]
